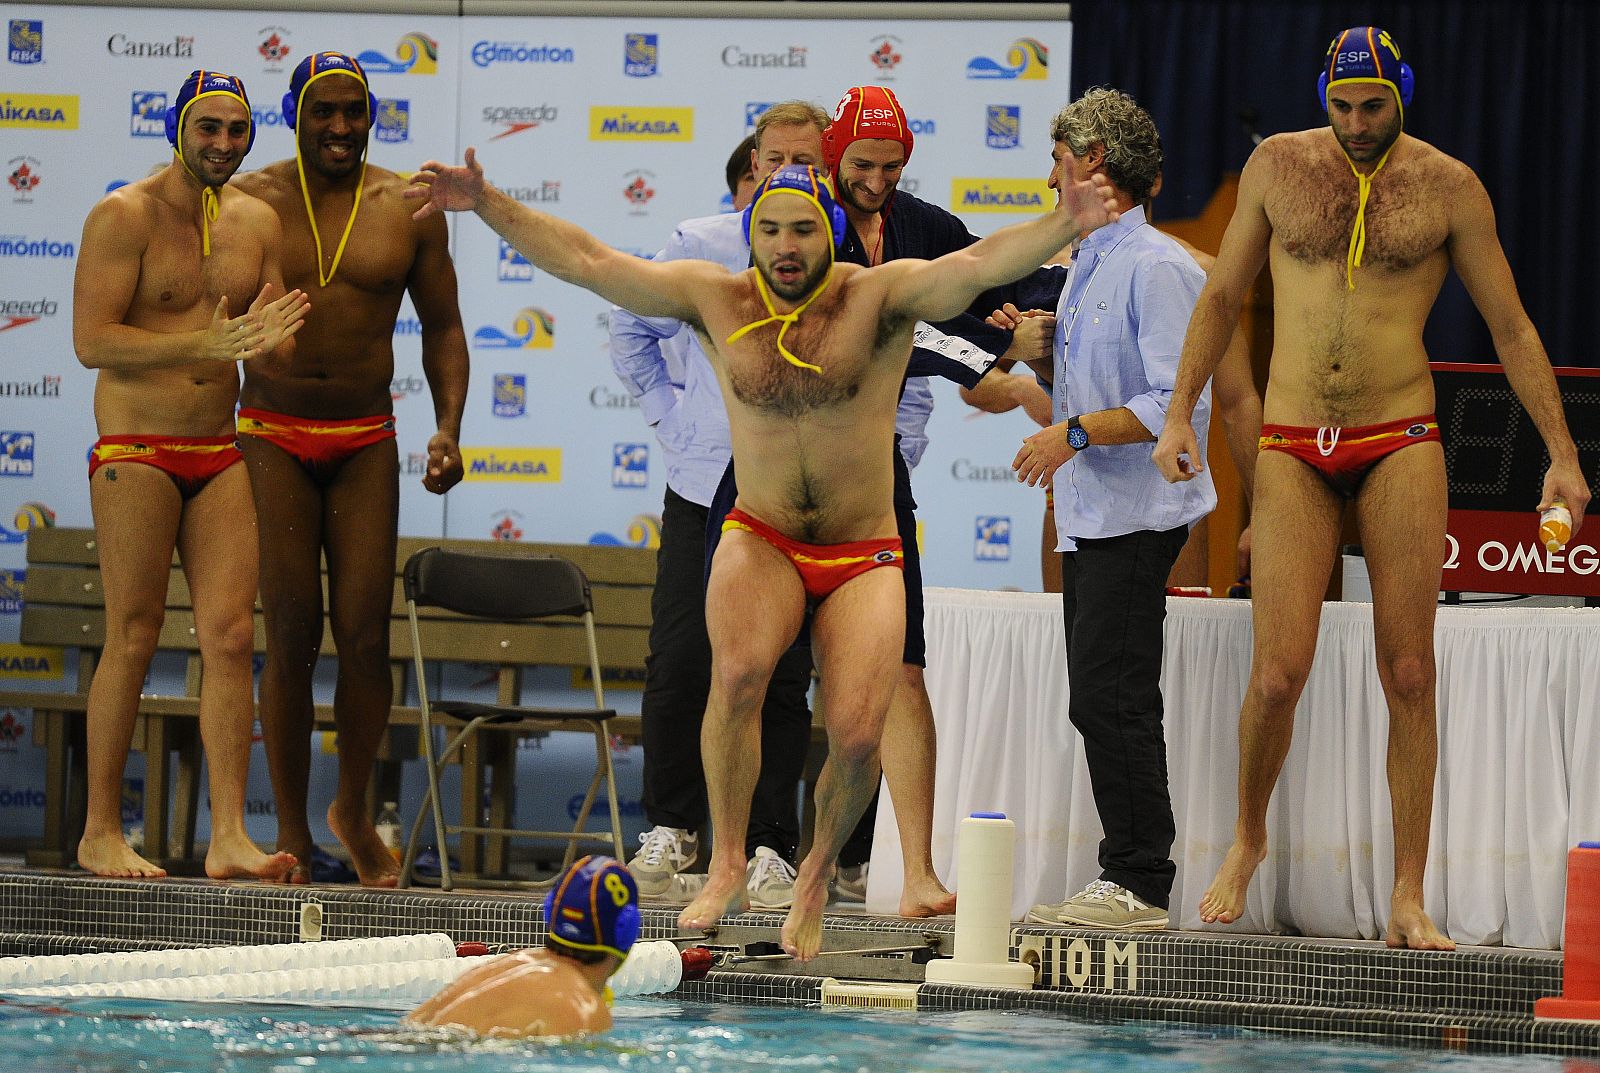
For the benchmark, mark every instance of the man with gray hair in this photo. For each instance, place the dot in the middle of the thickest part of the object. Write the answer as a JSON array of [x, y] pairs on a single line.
[[1120, 325]]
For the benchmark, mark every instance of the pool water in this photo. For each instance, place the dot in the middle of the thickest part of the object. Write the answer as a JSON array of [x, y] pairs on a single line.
[[655, 1034]]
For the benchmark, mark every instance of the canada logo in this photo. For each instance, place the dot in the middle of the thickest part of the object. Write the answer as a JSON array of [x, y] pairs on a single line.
[[886, 57], [639, 191], [24, 176], [274, 48]]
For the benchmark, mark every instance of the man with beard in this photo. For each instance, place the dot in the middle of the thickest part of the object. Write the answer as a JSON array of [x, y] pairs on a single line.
[[319, 437], [810, 356], [1357, 261], [161, 263]]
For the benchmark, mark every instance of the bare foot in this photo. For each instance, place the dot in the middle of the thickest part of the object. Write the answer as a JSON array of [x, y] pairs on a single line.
[[724, 892], [110, 855], [926, 897], [375, 866], [801, 936], [238, 858], [1411, 928], [1223, 902]]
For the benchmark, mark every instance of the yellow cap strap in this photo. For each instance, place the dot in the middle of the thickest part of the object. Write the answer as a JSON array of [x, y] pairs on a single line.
[[326, 278], [210, 206], [788, 320], [1358, 235]]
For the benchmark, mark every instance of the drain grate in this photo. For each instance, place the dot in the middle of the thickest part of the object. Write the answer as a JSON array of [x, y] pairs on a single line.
[[862, 995]]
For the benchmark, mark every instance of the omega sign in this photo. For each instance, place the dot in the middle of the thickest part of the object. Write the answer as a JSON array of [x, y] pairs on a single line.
[[1499, 551]]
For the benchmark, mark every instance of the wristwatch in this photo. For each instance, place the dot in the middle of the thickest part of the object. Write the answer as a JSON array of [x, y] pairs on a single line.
[[1077, 437]]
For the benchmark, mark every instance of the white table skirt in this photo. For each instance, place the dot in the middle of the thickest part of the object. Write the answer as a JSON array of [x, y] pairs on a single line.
[[1518, 781]]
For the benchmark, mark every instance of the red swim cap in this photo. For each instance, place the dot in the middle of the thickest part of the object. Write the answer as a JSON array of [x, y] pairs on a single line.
[[865, 112]]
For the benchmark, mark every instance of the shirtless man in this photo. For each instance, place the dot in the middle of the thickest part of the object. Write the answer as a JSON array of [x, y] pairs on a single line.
[[809, 355], [1357, 262], [162, 262], [593, 918], [319, 437]]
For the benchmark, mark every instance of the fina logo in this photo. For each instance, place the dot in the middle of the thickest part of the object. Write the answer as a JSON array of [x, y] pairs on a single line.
[[753, 111], [16, 454], [510, 395], [486, 53], [25, 41], [641, 55], [993, 543], [630, 465], [1026, 59], [1004, 126], [416, 54], [148, 114], [393, 120], [513, 267], [533, 329]]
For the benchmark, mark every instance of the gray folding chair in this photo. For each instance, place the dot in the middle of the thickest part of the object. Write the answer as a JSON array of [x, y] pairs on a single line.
[[503, 588]]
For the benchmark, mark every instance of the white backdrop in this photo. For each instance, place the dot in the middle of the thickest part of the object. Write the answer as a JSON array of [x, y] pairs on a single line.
[[620, 124]]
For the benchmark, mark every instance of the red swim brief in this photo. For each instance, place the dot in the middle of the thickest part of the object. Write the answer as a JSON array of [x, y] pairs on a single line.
[[1344, 456], [319, 446], [191, 461], [823, 567]]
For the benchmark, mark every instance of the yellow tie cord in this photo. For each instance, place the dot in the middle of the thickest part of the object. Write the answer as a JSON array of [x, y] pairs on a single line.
[[300, 165], [788, 320], [210, 206], [1358, 235]]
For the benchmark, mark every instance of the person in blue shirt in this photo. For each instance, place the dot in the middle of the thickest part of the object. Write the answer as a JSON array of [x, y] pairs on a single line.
[[1119, 328]]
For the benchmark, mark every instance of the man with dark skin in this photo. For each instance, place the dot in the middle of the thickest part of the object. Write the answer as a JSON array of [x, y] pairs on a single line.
[[810, 356], [1362, 222], [157, 273], [319, 438]]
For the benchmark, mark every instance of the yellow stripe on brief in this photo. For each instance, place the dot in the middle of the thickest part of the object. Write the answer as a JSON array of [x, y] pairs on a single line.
[[259, 426], [110, 452]]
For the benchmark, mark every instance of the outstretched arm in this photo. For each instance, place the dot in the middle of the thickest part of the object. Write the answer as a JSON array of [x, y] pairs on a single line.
[[1479, 260], [565, 250], [941, 288], [1239, 261]]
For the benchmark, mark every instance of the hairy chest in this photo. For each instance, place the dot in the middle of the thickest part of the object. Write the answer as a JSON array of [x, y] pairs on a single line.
[[1313, 213], [176, 274]]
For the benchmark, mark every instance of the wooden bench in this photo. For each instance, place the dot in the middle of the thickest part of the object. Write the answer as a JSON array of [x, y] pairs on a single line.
[[64, 606]]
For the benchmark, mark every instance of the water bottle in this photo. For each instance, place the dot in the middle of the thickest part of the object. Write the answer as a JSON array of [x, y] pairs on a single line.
[[1555, 525], [388, 826]]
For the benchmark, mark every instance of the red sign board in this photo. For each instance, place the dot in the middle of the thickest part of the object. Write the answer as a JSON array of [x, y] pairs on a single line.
[[1499, 551]]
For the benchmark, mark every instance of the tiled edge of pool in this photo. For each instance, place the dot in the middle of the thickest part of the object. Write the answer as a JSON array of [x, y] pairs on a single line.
[[1478, 999]]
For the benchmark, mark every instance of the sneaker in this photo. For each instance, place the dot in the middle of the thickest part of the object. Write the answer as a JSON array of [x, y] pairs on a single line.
[[1103, 904], [770, 880], [850, 884], [663, 853], [684, 888]]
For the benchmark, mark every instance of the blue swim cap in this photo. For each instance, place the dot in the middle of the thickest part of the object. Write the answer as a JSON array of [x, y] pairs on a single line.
[[314, 67], [594, 906], [206, 84], [809, 183], [1365, 54]]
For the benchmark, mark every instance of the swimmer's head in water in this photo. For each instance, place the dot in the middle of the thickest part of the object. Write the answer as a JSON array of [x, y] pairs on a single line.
[[593, 909], [1365, 54], [209, 103], [330, 107], [793, 225]]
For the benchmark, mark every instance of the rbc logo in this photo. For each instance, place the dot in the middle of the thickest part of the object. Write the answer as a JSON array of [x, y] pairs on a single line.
[[16, 454], [393, 121], [640, 54], [25, 42], [148, 114], [12, 582], [753, 111], [514, 268], [1004, 126], [993, 543], [630, 465], [510, 395]]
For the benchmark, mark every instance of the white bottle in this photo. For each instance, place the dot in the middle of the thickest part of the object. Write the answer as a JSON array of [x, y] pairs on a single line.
[[388, 825]]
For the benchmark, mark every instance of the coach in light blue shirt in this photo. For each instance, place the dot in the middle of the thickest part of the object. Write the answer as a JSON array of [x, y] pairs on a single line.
[[1120, 324]]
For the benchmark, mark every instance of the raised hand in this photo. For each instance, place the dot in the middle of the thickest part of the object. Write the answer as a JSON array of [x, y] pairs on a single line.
[[276, 319], [446, 188], [1091, 203]]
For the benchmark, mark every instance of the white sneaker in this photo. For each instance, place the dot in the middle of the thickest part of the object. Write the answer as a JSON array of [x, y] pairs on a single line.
[[663, 853], [1103, 904], [850, 884], [770, 880]]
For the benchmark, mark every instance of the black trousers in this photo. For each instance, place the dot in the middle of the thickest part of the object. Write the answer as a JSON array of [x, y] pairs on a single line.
[[677, 681], [1114, 606]]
